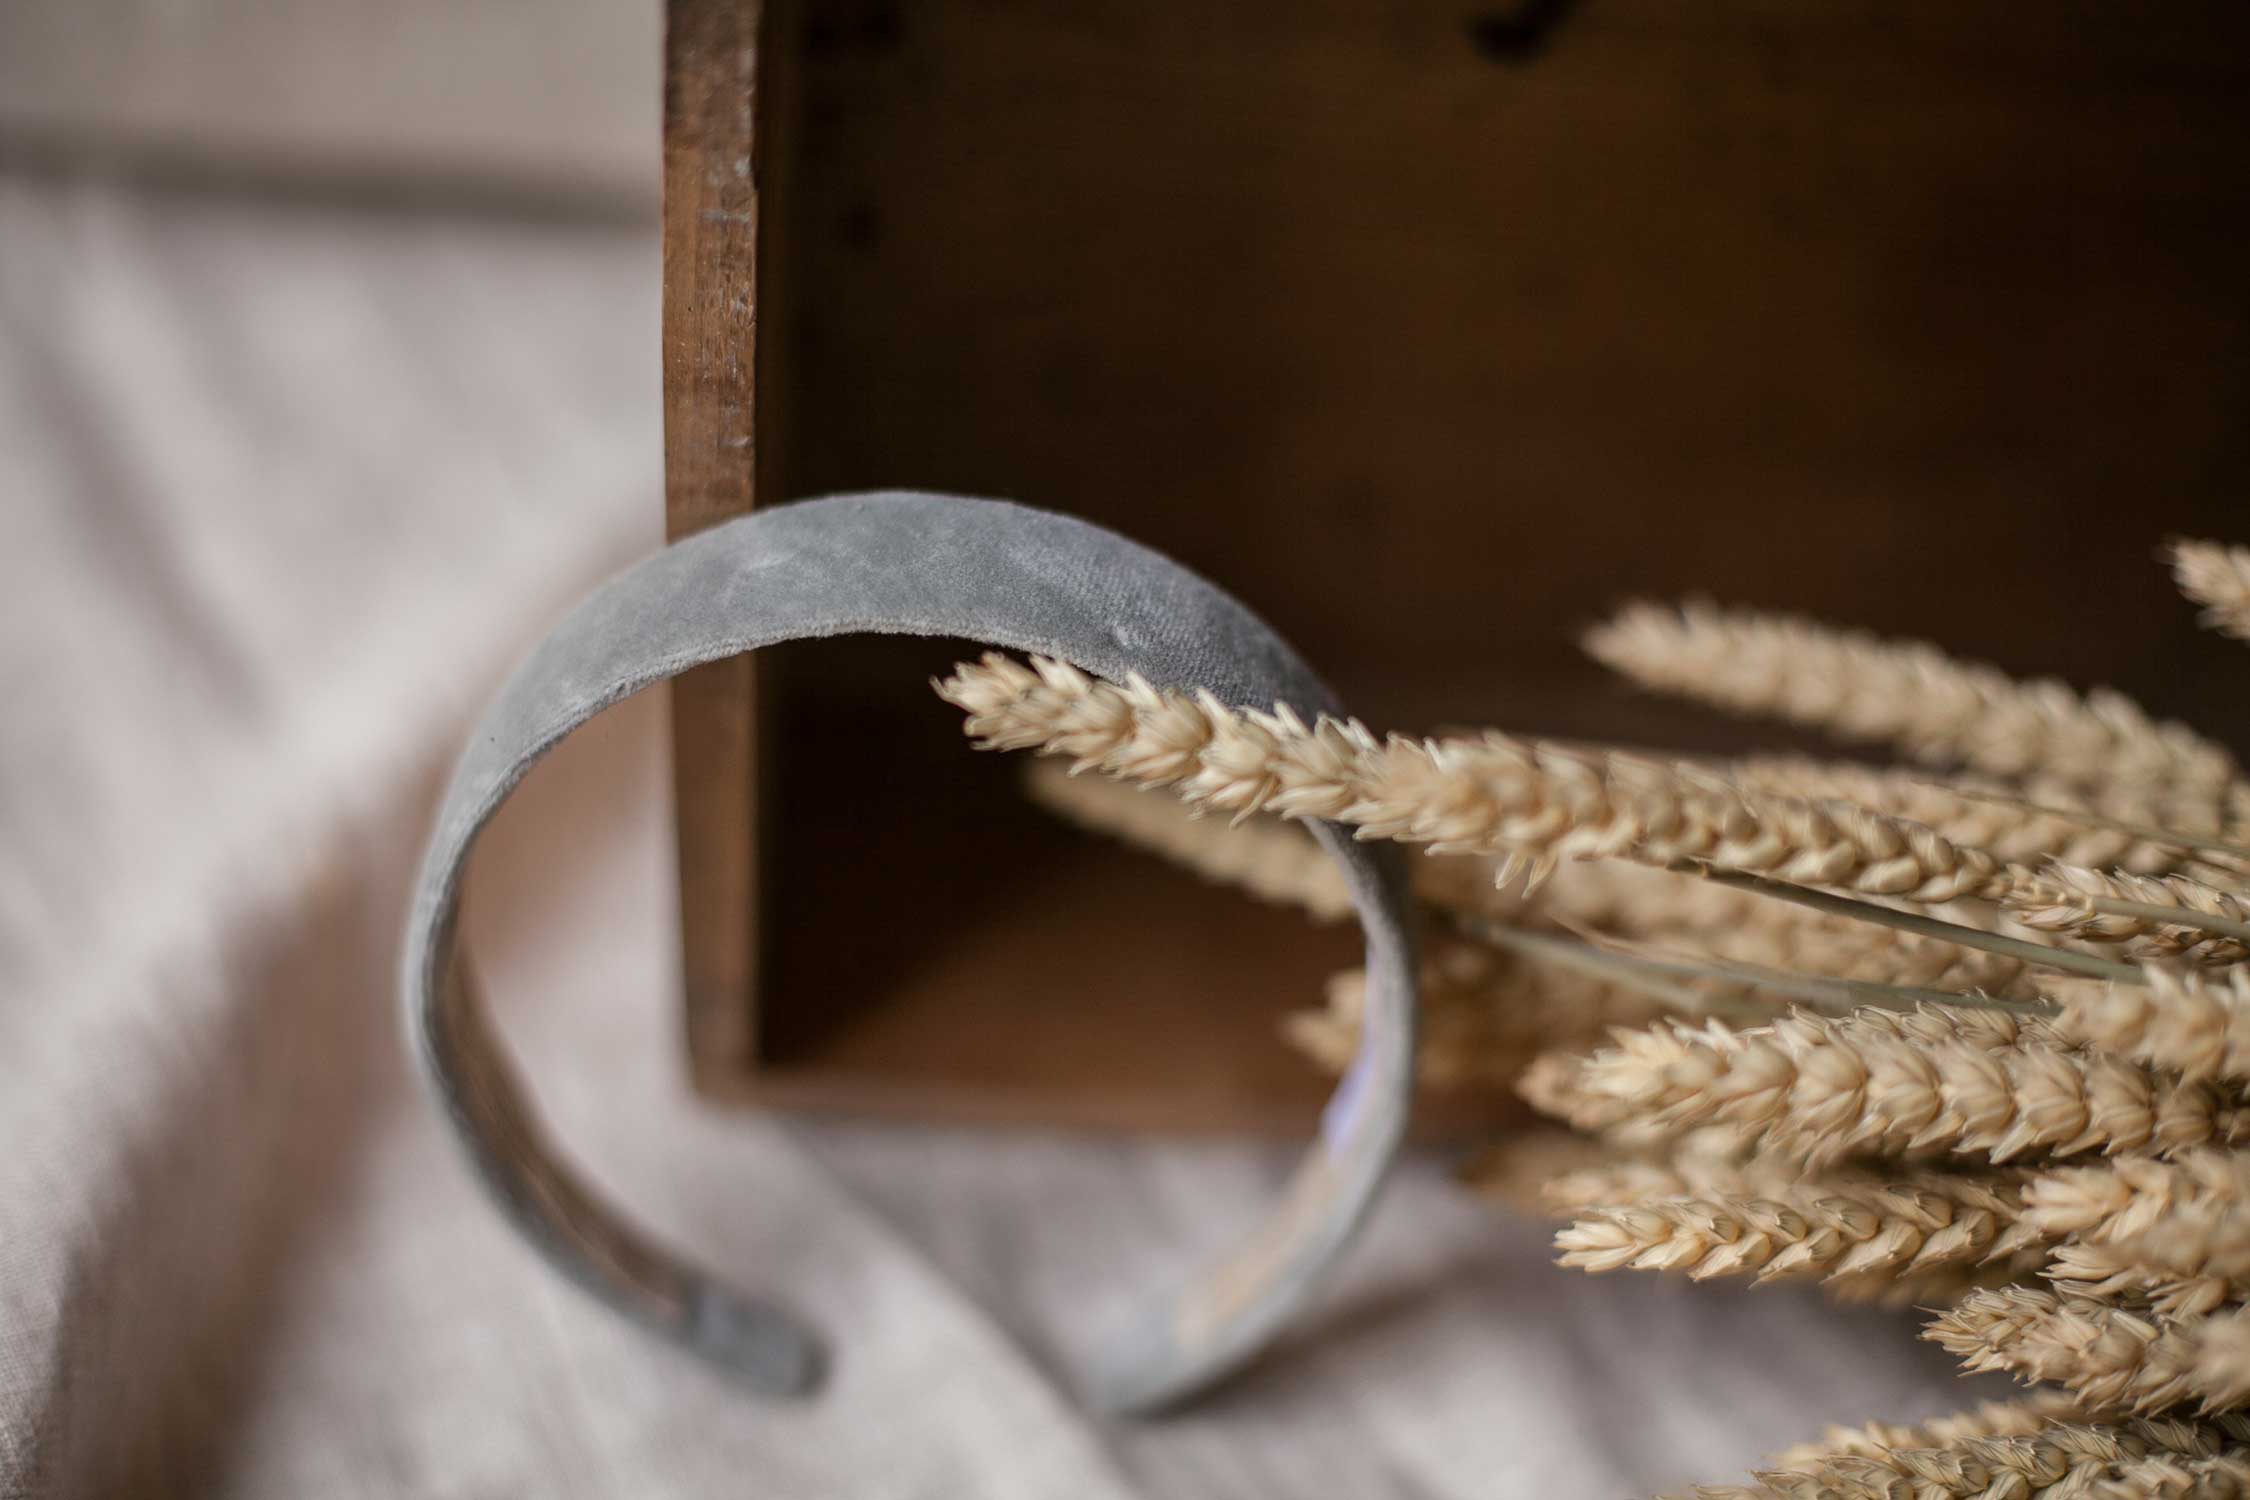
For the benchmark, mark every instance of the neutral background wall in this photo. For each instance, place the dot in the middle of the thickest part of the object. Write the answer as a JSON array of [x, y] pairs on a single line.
[[558, 100]]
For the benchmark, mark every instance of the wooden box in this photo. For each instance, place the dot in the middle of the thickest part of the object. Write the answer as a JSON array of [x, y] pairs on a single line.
[[1432, 331]]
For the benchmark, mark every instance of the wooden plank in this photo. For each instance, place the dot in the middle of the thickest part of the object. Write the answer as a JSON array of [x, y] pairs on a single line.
[[1431, 345], [710, 326], [1929, 316]]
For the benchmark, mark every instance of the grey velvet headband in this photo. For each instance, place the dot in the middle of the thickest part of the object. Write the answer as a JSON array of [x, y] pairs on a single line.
[[912, 564]]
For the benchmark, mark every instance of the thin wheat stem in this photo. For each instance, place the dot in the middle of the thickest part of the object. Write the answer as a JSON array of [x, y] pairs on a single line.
[[1618, 961], [1582, 958], [2088, 964], [1780, 935], [2172, 916], [1277, 863], [1836, 992], [2150, 917], [2152, 833]]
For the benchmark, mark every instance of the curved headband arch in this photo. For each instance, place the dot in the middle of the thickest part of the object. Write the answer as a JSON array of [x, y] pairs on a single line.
[[914, 564]]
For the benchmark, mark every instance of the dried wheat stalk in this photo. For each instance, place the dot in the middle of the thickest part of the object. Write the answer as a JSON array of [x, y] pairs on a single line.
[[1811, 1229], [2218, 578], [1855, 1147], [1634, 901], [1984, 1452], [2223, 1476], [2065, 1461], [2174, 1236], [2020, 1418], [2109, 1357], [1908, 693], [1494, 796], [2195, 1024], [2075, 825], [2190, 1264], [2152, 917], [2127, 1197], [1971, 1082]]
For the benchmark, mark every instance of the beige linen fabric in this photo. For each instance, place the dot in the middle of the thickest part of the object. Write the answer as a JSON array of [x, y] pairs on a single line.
[[553, 102], [281, 493]]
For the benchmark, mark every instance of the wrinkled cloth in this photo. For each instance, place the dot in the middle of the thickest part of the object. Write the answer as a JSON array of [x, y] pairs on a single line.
[[283, 491]]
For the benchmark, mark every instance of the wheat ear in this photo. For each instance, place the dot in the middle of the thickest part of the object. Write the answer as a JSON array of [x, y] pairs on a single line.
[[2064, 1461], [1531, 804], [1812, 1229], [2163, 1476], [2019, 1418], [2192, 1262], [1985, 1082], [2109, 1357], [2173, 1234], [1956, 1456], [2197, 1024], [1908, 693], [2043, 819], [2210, 830], [2127, 1197], [2059, 1458], [1491, 796], [2151, 917], [2218, 578]]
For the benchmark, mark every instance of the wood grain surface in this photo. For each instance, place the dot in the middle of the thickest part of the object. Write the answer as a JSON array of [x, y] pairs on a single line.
[[1434, 331], [711, 472]]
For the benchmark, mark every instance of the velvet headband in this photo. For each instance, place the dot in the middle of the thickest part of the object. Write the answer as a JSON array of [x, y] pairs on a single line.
[[913, 564]]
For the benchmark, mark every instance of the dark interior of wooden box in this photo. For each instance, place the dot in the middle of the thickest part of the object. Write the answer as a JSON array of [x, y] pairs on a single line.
[[1434, 332]]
